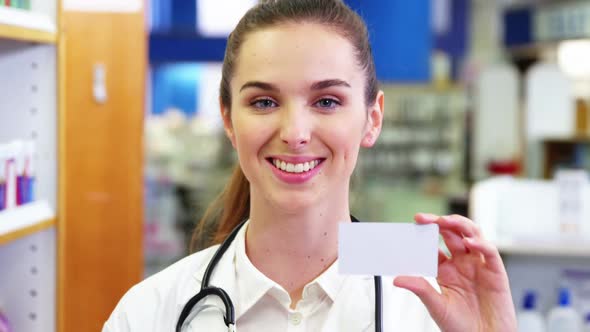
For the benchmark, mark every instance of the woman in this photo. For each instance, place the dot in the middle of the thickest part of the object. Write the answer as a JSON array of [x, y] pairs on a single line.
[[299, 98]]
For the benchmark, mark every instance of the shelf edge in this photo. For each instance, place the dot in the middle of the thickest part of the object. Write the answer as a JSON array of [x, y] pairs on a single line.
[[27, 35], [25, 231]]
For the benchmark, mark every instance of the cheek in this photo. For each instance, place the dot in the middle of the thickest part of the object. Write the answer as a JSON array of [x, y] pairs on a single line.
[[250, 136], [346, 141]]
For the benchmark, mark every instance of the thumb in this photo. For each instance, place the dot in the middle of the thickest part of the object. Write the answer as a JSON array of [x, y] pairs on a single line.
[[432, 299]]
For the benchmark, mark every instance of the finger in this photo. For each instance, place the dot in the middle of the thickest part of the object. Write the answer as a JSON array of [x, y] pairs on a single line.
[[433, 301], [489, 251], [459, 224], [425, 218], [454, 243]]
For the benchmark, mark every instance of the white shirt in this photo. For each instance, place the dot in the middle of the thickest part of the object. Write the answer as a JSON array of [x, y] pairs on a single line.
[[331, 302]]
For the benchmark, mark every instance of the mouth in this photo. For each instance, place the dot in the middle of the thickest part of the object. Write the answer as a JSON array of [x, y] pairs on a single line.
[[295, 168]]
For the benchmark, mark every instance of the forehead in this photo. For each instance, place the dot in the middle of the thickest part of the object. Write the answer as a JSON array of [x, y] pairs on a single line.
[[304, 52]]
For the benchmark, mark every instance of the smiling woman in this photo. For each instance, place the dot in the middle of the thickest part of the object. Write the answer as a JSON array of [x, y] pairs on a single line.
[[299, 99]]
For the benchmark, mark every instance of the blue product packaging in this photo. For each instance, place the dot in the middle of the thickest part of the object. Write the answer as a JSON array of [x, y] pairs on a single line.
[[30, 189], [21, 190], [3, 175], [29, 151], [2, 195]]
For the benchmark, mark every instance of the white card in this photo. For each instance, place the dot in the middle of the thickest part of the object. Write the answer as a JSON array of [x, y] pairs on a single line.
[[388, 249]]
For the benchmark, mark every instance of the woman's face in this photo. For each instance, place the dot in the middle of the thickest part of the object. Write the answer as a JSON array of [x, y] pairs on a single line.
[[298, 115]]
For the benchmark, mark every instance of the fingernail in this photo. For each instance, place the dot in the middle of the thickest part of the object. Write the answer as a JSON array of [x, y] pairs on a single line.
[[429, 216]]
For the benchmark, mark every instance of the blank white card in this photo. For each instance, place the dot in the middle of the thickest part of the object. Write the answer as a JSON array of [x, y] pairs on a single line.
[[388, 249]]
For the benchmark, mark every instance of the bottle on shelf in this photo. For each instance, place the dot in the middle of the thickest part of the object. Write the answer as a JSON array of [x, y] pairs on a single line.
[[5, 176], [25, 171], [529, 318], [4, 324], [563, 317]]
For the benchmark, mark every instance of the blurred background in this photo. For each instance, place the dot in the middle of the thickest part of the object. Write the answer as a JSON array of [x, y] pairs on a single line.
[[111, 144]]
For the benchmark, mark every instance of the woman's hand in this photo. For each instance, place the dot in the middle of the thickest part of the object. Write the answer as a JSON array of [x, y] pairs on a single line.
[[475, 294]]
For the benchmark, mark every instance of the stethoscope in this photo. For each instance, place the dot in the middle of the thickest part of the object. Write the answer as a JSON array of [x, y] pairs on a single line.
[[229, 317]]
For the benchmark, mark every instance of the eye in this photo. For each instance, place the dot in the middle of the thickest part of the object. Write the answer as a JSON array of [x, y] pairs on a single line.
[[327, 103], [263, 103]]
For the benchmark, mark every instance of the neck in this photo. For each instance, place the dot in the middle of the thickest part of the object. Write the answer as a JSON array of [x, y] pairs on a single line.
[[294, 247]]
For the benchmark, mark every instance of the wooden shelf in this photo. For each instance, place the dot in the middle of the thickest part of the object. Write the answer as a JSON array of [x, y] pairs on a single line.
[[578, 248], [21, 25], [23, 232], [25, 220]]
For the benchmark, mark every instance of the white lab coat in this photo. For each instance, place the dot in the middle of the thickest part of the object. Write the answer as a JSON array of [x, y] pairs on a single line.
[[155, 304]]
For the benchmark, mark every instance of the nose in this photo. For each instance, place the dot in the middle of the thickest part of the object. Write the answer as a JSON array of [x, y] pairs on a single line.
[[295, 127]]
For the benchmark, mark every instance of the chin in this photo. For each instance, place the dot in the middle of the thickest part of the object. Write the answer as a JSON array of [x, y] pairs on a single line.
[[294, 203]]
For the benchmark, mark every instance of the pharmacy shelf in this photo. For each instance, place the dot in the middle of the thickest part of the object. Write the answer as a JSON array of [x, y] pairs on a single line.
[[575, 248], [22, 25], [25, 220]]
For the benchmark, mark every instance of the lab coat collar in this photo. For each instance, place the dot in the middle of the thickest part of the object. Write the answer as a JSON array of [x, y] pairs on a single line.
[[331, 281], [224, 276], [252, 284]]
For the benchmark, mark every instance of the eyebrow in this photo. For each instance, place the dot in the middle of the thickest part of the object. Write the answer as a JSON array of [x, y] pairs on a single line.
[[329, 83], [315, 86], [260, 85]]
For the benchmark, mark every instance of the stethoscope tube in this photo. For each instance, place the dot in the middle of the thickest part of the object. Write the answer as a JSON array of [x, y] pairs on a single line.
[[378, 304], [229, 316]]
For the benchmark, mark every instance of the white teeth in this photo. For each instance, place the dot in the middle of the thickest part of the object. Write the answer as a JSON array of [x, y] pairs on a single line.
[[298, 168], [295, 168]]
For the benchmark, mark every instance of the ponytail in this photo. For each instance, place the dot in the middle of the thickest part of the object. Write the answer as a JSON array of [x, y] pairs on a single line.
[[230, 208], [233, 204]]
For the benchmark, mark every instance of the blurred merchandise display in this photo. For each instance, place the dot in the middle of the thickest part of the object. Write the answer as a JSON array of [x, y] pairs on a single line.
[[417, 162], [21, 4], [565, 153], [421, 135], [572, 186], [17, 177], [529, 318], [577, 281], [186, 166], [4, 323], [563, 317], [496, 142]]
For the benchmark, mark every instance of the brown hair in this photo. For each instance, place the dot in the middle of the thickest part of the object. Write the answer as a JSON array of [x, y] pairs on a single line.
[[233, 204]]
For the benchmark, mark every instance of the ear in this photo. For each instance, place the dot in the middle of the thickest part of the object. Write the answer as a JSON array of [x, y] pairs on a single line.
[[227, 124], [374, 121]]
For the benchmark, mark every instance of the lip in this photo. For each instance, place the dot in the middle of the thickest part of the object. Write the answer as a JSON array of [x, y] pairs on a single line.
[[295, 178]]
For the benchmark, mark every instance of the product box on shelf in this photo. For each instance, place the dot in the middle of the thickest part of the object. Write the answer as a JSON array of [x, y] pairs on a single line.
[[7, 177], [25, 178], [572, 186], [3, 177], [21, 4], [17, 179]]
